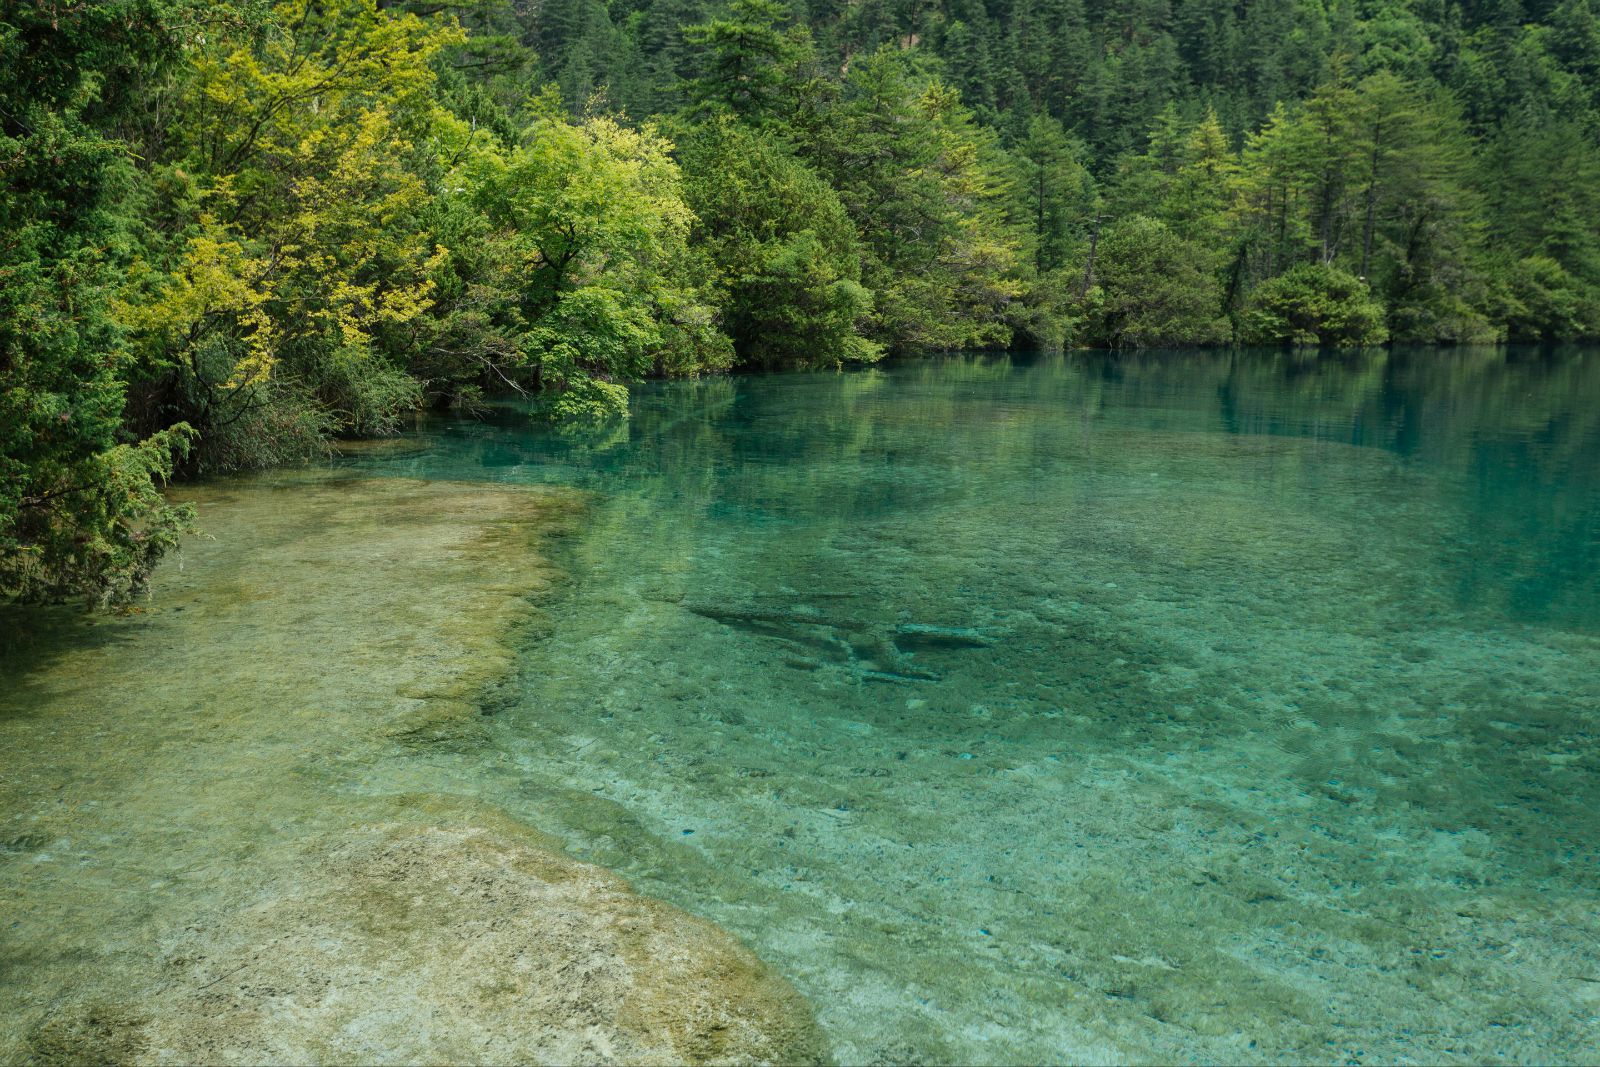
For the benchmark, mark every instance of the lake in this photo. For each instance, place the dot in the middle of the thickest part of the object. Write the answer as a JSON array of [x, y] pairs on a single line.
[[1220, 707], [1165, 706]]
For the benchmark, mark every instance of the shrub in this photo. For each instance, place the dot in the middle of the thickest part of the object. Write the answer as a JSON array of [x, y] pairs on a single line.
[[1313, 304]]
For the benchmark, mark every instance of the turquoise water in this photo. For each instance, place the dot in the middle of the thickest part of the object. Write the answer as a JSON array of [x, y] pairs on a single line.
[[1165, 707]]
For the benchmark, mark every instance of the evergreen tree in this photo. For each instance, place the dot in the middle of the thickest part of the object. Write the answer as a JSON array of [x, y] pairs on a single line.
[[743, 58], [80, 510], [1057, 193]]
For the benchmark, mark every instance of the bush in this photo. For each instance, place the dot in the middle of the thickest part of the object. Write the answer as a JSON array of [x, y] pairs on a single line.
[[1541, 301], [1313, 304], [587, 401], [1155, 289], [265, 425]]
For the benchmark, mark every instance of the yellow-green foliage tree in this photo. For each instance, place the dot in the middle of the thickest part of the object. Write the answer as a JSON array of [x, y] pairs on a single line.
[[343, 247], [301, 149], [603, 288]]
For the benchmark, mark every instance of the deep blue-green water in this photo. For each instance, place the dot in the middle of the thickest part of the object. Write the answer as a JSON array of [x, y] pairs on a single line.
[[1215, 707]]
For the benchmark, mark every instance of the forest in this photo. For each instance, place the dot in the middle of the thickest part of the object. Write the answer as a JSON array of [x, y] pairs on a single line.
[[233, 232]]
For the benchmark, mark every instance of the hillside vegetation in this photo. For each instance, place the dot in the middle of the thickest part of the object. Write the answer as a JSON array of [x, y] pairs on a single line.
[[232, 231]]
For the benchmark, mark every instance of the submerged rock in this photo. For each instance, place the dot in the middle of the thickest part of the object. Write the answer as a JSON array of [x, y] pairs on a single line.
[[436, 943], [871, 652]]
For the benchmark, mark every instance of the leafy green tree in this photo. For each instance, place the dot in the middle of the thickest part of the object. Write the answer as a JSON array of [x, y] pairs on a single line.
[[593, 220], [1154, 289], [1313, 304], [785, 247]]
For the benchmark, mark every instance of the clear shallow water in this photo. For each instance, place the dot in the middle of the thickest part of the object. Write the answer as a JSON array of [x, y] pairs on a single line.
[[215, 848], [1177, 707]]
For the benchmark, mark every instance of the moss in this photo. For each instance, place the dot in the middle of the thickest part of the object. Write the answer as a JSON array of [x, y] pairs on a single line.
[[87, 1034]]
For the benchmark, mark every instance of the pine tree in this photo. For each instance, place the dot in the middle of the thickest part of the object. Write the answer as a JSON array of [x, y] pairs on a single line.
[[1057, 193], [741, 67], [81, 515]]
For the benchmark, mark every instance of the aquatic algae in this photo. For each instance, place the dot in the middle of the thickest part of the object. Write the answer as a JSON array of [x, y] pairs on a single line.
[[220, 845]]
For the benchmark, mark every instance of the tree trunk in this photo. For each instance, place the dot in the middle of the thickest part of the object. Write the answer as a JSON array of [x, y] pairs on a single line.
[[1372, 202], [1088, 268]]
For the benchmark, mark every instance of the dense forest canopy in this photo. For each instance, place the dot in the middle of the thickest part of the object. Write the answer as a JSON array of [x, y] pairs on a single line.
[[231, 231]]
